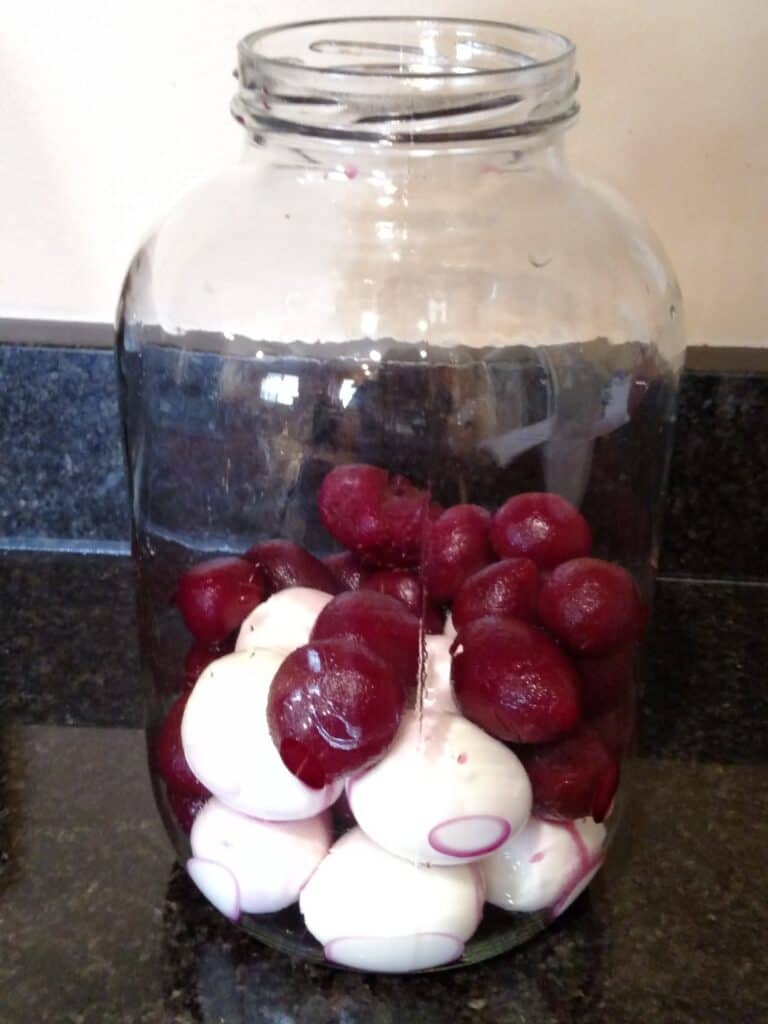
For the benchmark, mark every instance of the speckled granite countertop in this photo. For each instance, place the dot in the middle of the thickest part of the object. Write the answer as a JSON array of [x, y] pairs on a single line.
[[96, 924]]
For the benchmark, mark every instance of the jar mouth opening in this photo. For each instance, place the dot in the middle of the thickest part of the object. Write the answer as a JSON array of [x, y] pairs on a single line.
[[413, 47], [413, 80]]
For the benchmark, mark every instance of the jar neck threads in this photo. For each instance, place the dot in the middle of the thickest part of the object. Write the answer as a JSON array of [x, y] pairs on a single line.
[[432, 82]]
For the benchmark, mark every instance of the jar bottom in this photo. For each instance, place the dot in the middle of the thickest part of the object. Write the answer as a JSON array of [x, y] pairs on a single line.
[[499, 931]]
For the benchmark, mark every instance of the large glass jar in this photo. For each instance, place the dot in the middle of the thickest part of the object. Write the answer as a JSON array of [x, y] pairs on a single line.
[[398, 393]]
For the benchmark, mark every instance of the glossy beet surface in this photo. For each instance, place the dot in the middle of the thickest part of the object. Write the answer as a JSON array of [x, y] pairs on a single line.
[[347, 569], [591, 606], [457, 545], [334, 707], [543, 527], [215, 596], [514, 682], [377, 516], [508, 589], [575, 778], [383, 624], [605, 682], [284, 564], [406, 587], [169, 760]]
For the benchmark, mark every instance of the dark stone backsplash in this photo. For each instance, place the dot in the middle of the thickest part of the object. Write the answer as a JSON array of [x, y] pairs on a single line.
[[62, 478]]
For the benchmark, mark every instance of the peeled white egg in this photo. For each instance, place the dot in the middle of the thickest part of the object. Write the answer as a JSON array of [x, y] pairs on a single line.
[[449, 629], [445, 793], [217, 884], [376, 912], [284, 621], [227, 744], [269, 860], [546, 865], [438, 692]]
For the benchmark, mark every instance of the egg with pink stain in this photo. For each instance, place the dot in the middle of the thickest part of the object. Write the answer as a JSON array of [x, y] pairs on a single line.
[[445, 792], [545, 866], [376, 912], [270, 861]]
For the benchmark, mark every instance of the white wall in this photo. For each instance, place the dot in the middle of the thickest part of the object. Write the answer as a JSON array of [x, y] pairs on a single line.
[[110, 108]]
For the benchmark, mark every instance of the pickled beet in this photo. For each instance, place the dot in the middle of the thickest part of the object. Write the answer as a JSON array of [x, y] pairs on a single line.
[[617, 728], [540, 526], [185, 808], [377, 516], [347, 569], [514, 682], [457, 545], [199, 657], [406, 587], [169, 761], [575, 778], [382, 623], [605, 682], [285, 564], [507, 589], [592, 606], [215, 596], [333, 708]]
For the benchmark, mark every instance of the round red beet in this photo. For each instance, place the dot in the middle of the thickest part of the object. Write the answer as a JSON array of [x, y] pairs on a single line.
[[592, 606], [334, 707], [185, 808], [605, 682], [377, 516], [215, 596], [457, 545], [285, 564], [514, 682], [507, 589], [575, 778], [617, 728], [406, 587], [199, 657], [383, 624], [347, 569], [543, 527], [169, 761]]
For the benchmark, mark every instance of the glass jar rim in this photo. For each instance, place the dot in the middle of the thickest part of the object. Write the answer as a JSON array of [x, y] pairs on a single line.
[[251, 48]]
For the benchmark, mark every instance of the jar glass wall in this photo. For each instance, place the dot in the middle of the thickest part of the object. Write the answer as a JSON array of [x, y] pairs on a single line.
[[398, 394]]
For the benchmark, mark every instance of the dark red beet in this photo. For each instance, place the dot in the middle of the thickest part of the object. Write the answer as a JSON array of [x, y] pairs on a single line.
[[406, 587], [379, 622], [575, 778], [185, 808], [592, 606], [215, 596], [334, 707], [605, 682], [513, 681], [168, 755], [457, 545], [617, 728], [540, 526], [508, 589], [285, 564], [376, 516], [347, 569], [199, 657]]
